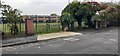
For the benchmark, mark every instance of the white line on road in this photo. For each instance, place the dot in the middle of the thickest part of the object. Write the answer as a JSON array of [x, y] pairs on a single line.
[[112, 39]]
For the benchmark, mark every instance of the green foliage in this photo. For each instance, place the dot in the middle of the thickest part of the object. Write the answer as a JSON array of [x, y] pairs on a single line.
[[96, 18], [85, 9], [110, 13], [81, 11], [12, 16], [67, 18], [53, 14], [71, 8]]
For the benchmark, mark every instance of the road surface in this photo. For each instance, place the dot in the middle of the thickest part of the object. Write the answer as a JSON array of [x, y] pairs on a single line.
[[94, 42]]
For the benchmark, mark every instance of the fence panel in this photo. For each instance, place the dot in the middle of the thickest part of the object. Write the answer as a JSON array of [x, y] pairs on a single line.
[[39, 28], [47, 27], [6, 29]]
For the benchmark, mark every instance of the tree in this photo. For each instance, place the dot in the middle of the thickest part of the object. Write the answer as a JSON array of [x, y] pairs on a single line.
[[53, 14], [95, 19], [67, 21], [73, 8], [12, 16], [109, 14], [112, 13], [81, 10]]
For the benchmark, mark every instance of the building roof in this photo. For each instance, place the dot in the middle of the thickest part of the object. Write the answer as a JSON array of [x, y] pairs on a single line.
[[40, 16]]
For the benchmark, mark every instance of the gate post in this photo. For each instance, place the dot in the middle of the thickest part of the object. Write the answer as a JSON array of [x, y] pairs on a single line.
[[29, 27]]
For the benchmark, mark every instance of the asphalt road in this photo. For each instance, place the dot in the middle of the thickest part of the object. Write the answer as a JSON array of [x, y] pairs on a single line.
[[92, 42]]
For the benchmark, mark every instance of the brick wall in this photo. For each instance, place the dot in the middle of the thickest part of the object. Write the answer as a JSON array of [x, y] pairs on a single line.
[[29, 26]]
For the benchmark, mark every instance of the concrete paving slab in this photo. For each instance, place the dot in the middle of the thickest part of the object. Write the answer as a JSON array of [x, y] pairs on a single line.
[[32, 39], [56, 35]]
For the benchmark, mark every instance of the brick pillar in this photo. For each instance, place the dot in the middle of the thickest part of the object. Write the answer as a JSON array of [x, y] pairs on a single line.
[[29, 26]]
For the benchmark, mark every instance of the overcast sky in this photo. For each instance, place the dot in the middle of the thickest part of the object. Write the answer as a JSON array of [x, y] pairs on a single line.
[[41, 7]]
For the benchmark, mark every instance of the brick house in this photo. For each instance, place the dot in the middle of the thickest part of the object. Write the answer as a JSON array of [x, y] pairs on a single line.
[[42, 18]]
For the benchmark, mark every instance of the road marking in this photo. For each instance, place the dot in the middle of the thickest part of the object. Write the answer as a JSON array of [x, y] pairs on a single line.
[[107, 33], [54, 45], [9, 48], [71, 39], [112, 39], [43, 43], [39, 46]]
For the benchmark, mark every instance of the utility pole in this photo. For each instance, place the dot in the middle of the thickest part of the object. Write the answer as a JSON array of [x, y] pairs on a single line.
[[36, 22]]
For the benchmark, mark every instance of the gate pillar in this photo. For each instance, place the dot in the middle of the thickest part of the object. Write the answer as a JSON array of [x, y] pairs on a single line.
[[29, 27]]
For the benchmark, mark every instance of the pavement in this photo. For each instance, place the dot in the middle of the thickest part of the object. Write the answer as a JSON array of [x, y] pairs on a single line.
[[36, 38], [90, 42], [56, 35], [18, 41]]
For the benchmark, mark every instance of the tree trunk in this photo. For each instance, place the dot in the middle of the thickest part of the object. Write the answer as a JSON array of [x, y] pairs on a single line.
[[103, 24], [64, 26], [96, 24], [12, 29], [79, 20], [89, 21], [15, 28], [72, 26], [118, 22]]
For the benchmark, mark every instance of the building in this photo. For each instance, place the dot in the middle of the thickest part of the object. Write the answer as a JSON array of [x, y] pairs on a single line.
[[42, 18]]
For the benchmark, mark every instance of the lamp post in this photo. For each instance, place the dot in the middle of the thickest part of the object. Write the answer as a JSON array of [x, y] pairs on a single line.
[[36, 22], [20, 23]]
